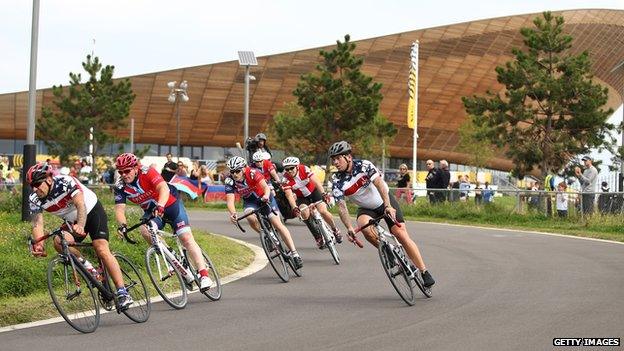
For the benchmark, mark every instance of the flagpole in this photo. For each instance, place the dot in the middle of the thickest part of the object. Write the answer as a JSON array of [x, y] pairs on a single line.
[[414, 111]]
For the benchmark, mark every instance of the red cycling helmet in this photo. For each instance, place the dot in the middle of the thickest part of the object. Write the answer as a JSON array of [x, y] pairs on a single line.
[[38, 173], [127, 160]]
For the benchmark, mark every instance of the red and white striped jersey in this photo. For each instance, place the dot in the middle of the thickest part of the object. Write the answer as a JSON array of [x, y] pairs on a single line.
[[300, 183]]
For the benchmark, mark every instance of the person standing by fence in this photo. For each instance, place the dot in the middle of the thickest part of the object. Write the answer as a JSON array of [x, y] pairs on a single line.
[[588, 181], [403, 184]]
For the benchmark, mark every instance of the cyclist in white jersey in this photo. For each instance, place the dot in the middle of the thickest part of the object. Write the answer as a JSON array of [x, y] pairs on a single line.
[[361, 182], [66, 197]]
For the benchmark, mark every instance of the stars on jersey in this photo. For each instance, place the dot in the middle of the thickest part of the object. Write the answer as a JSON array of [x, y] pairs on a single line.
[[59, 200], [357, 185]]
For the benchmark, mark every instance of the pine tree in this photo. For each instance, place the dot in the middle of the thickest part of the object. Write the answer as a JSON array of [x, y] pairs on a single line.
[[550, 110]]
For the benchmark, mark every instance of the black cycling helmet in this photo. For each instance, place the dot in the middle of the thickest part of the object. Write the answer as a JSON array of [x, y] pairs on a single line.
[[261, 136], [339, 148]]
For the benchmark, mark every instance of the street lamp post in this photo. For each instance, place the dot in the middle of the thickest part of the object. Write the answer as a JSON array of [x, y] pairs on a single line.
[[175, 95], [247, 58]]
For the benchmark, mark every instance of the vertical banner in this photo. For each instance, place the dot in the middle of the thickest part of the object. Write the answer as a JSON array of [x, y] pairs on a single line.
[[412, 109]]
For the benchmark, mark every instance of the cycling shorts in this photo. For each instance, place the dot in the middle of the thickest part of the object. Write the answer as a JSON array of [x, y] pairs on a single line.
[[175, 215], [96, 225], [374, 213], [252, 205], [313, 198]]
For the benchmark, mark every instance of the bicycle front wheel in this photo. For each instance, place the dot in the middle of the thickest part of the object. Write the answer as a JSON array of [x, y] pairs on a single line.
[[396, 271], [330, 241], [73, 296], [165, 278], [274, 254], [140, 309]]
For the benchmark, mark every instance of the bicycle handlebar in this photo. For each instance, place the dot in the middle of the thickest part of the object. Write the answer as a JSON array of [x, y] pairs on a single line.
[[143, 221], [238, 219], [31, 241]]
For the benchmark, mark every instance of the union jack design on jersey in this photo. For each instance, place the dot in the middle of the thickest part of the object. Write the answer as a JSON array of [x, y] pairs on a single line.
[[357, 185], [142, 191], [249, 187], [59, 199]]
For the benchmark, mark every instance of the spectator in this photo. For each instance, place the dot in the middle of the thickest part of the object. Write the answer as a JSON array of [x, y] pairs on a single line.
[[562, 200], [464, 187], [170, 168], [605, 200], [488, 194], [195, 171], [445, 180], [9, 182], [433, 181], [478, 194], [454, 192], [255, 144], [181, 170], [403, 184], [204, 175], [588, 181], [84, 175]]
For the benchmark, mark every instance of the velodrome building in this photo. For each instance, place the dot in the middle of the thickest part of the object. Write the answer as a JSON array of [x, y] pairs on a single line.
[[455, 60]]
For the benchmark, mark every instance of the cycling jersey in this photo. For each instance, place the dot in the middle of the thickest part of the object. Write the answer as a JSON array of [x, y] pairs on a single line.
[[301, 183], [265, 170], [358, 185], [249, 187], [142, 191], [59, 200]]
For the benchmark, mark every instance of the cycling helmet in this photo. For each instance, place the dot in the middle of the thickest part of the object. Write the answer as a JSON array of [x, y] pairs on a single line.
[[38, 173], [290, 161], [127, 160], [339, 148], [259, 156], [261, 136], [236, 162]]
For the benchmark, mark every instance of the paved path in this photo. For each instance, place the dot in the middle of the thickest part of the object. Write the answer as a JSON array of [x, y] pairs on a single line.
[[497, 290]]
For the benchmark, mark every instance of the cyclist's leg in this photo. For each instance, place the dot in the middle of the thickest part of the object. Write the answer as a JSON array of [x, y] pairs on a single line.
[[97, 227], [401, 234], [363, 216], [249, 206], [176, 215], [327, 216], [70, 240], [280, 227]]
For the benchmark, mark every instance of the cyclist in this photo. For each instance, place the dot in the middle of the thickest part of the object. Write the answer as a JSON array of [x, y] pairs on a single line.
[[262, 162], [308, 190], [67, 198], [146, 187], [252, 187], [361, 182]]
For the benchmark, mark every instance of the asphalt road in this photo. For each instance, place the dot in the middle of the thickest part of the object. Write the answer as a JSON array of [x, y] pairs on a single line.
[[496, 290]]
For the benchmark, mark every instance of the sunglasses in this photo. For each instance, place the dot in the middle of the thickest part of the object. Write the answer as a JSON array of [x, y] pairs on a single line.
[[124, 171], [288, 169], [237, 171], [36, 185]]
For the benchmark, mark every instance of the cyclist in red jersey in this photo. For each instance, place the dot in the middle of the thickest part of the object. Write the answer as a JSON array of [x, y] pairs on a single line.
[[146, 187], [262, 162], [254, 191], [307, 189]]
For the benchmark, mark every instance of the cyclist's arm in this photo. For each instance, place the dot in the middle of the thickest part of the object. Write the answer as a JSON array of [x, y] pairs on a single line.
[[163, 193], [290, 196], [265, 188], [383, 190], [317, 183], [230, 199], [37, 225], [81, 209], [274, 175], [343, 212], [120, 214]]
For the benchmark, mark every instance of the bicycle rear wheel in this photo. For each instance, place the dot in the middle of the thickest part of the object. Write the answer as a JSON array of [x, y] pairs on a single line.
[[274, 255], [73, 296], [214, 293], [165, 278], [140, 309], [330, 242], [396, 271]]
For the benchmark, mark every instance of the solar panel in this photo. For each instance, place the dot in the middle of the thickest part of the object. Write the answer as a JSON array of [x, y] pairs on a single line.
[[247, 58]]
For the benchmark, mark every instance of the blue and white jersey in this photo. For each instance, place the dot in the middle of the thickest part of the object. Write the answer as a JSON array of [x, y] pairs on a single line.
[[59, 201], [357, 185]]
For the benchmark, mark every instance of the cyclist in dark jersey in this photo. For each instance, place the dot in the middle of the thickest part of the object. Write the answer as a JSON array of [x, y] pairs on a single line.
[[145, 187], [361, 182], [65, 197]]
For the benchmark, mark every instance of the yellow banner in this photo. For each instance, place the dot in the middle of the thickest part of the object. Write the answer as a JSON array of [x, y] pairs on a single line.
[[412, 100]]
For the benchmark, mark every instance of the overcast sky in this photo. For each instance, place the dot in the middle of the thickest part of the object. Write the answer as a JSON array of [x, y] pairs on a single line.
[[141, 36]]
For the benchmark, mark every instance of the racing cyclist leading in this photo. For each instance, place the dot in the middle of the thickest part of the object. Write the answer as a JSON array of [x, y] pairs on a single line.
[[146, 187], [361, 182]]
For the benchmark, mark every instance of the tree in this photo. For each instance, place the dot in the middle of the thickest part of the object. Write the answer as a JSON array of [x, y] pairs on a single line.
[[550, 110], [337, 102], [99, 103], [470, 142]]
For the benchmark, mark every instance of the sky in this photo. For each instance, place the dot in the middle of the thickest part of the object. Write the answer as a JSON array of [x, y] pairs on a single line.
[[141, 36]]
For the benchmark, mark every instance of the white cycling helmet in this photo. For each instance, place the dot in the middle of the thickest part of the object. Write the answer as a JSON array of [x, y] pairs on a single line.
[[236, 162], [260, 155], [290, 161]]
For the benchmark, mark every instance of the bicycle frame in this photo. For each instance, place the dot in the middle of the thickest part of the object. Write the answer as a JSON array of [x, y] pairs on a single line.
[[155, 235]]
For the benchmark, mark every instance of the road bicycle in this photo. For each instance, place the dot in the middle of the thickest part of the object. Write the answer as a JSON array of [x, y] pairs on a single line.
[[272, 243], [322, 228], [172, 271], [78, 295], [403, 274]]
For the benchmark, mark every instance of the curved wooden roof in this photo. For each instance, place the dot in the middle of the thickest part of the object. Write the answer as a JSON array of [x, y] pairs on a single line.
[[455, 60]]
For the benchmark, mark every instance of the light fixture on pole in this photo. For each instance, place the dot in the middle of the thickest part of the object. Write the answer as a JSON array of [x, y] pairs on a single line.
[[247, 58], [175, 95]]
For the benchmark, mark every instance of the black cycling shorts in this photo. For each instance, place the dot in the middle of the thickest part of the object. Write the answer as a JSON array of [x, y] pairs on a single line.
[[380, 210], [97, 224], [314, 197]]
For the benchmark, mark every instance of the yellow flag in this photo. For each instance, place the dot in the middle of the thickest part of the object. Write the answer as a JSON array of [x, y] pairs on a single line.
[[412, 87]]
